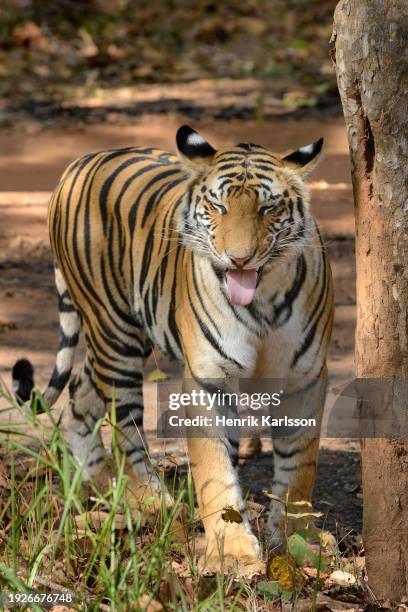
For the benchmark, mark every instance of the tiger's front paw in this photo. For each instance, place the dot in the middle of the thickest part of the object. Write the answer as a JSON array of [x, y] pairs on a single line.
[[236, 552]]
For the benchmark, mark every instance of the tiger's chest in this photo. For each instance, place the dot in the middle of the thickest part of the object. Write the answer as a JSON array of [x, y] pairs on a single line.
[[192, 319]]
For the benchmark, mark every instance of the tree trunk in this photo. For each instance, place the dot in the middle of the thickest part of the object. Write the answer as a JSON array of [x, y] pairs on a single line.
[[370, 53]]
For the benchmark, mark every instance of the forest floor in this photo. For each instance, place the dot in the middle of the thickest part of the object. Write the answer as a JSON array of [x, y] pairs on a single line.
[[34, 149]]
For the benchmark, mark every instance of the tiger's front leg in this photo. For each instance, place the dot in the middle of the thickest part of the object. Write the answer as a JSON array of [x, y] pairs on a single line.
[[295, 462], [230, 545]]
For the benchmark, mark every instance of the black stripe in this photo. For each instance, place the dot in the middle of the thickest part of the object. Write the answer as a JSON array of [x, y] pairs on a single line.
[[124, 350], [262, 166], [67, 341], [208, 335], [123, 316], [168, 348], [227, 166], [266, 158], [263, 177], [287, 454], [64, 235], [291, 295], [312, 331], [59, 380], [231, 156], [300, 206], [134, 375], [104, 192], [321, 294], [125, 410], [160, 193], [115, 383], [95, 461], [87, 215], [305, 344], [172, 305], [198, 293], [147, 186], [146, 259], [290, 205]]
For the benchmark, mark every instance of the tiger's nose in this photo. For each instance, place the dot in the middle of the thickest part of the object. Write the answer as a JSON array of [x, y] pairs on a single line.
[[240, 261]]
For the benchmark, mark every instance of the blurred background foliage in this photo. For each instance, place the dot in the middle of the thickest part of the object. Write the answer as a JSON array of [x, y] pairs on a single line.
[[50, 47]]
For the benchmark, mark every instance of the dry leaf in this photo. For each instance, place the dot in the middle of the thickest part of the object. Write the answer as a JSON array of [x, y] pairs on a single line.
[[97, 519], [157, 376], [4, 479], [255, 510], [285, 572], [230, 515], [149, 605], [334, 605], [342, 578]]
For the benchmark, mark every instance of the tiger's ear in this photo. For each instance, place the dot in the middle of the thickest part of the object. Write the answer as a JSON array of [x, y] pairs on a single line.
[[194, 150], [304, 159]]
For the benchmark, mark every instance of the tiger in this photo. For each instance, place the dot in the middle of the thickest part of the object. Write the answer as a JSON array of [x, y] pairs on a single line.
[[214, 257]]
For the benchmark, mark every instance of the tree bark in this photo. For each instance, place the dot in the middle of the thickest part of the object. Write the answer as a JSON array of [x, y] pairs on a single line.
[[371, 58]]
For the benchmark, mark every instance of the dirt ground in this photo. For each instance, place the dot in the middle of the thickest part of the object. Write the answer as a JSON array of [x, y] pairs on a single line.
[[31, 161]]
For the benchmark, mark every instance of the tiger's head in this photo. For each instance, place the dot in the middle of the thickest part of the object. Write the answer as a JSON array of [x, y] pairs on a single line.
[[244, 207]]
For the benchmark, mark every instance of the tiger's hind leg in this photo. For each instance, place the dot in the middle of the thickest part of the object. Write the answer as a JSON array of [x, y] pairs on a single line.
[[143, 481], [85, 409], [119, 380]]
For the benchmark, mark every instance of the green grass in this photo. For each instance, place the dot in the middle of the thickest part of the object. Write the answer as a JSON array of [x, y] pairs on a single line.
[[49, 540], [61, 534]]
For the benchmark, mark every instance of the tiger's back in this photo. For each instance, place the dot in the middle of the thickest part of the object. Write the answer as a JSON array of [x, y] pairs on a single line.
[[108, 213]]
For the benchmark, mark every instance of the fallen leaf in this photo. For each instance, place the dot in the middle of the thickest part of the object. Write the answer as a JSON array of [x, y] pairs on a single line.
[[300, 547], [7, 326], [327, 540], [96, 519], [350, 565], [269, 588], [334, 605], [255, 510], [230, 515], [5, 482], [29, 34], [301, 515], [342, 578], [285, 572], [157, 376], [147, 604]]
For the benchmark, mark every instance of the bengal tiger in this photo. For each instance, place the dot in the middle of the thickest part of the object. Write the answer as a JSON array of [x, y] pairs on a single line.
[[213, 256]]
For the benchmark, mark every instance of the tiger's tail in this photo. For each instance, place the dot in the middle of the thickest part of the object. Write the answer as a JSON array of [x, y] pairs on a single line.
[[69, 330]]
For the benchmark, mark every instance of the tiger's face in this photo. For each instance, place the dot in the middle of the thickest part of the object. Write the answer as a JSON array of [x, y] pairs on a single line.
[[245, 207]]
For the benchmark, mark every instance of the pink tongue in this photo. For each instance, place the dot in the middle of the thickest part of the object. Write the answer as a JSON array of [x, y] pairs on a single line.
[[241, 285]]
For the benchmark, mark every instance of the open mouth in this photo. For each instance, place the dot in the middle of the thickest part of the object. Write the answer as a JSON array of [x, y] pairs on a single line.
[[241, 286]]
